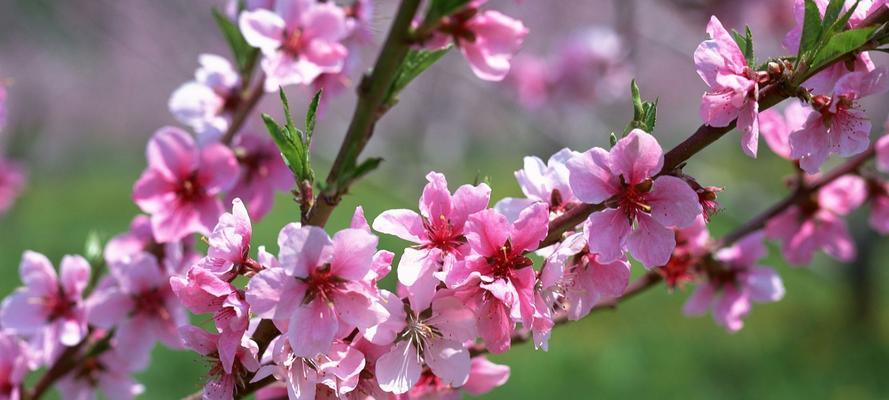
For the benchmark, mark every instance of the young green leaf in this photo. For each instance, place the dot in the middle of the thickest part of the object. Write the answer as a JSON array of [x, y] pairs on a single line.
[[310, 115], [811, 30], [245, 55], [745, 43], [414, 64], [443, 8], [840, 45], [832, 12]]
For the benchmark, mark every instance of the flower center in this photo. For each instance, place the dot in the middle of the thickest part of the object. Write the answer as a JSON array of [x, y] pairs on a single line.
[[293, 42], [190, 189], [442, 235], [506, 260], [457, 25], [151, 302], [58, 305], [632, 198], [90, 371], [322, 283]]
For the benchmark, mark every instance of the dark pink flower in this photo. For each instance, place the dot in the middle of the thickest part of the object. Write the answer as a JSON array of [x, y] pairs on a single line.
[[49, 306], [733, 86], [263, 173], [817, 223], [730, 291], [179, 188], [641, 207], [229, 244], [438, 231]]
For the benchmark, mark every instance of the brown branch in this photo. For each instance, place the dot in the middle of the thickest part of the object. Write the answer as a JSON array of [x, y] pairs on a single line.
[[249, 100]]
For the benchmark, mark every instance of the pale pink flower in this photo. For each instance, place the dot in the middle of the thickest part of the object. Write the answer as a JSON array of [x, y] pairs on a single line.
[[207, 103], [263, 173], [733, 89], [531, 77], [224, 377], [359, 21], [229, 244], [136, 300], [438, 231], [825, 80], [175, 257], [337, 369], [299, 40], [882, 147], [488, 39], [729, 292], [817, 223], [12, 182], [434, 339], [484, 376], [641, 207], [776, 128], [837, 125], [201, 291], [322, 289], [496, 277], [49, 307], [180, 186], [541, 182], [108, 373], [15, 361], [592, 65]]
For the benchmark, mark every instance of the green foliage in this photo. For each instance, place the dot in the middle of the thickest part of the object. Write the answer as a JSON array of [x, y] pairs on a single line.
[[644, 112], [840, 45], [826, 40], [294, 143], [443, 8], [415, 63], [245, 55], [745, 43]]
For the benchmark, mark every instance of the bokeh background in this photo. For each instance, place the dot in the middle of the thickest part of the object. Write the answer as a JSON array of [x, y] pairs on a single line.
[[90, 80]]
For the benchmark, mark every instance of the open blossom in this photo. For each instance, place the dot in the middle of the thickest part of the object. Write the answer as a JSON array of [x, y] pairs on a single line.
[[12, 182], [817, 223], [730, 291], [15, 360], [263, 173], [229, 244], [496, 279], [206, 104], [108, 373], [299, 40], [542, 182], [180, 186], [837, 125], [692, 244], [488, 39], [825, 80], [137, 301], [776, 127], [438, 231], [336, 369], [484, 376], [322, 289], [641, 209], [733, 86], [175, 257], [434, 339], [224, 377], [49, 306]]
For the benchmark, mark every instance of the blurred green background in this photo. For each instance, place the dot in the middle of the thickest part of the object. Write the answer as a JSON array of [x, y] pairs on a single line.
[[91, 80]]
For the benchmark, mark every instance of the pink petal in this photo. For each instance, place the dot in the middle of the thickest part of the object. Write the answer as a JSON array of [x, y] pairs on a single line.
[[850, 132], [484, 376], [810, 145], [75, 275], [530, 228], [38, 274], [358, 310], [835, 239], [651, 243], [487, 231], [302, 249], [495, 326], [844, 194], [218, 169], [637, 156], [312, 328], [398, 370], [764, 285], [266, 289], [197, 339], [108, 306], [606, 233], [879, 214], [138, 274], [324, 21], [172, 153], [590, 176], [731, 308], [610, 279], [673, 202], [353, 250], [449, 360], [23, 313], [262, 29], [468, 200], [405, 224], [882, 147], [452, 319], [435, 203], [748, 123], [700, 301]]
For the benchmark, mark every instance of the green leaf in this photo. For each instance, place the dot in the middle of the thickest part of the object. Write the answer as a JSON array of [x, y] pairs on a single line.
[[644, 112], [444, 8], [359, 171], [832, 12], [612, 139], [811, 29], [413, 65], [840, 45], [637, 101], [92, 250], [745, 43], [293, 143], [310, 115], [245, 55]]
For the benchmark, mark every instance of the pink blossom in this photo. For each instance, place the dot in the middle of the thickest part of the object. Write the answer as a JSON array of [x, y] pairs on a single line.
[[641, 208], [136, 300], [592, 64], [837, 125], [12, 182], [359, 21], [817, 223], [180, 186], [337, 369], [825, 80], [496, 277], [299, 41], [882, 148], [531, 78], [15, 360], [206, 104], [263, 173], [223, 377], [201, 291], [438, 231], [175, 257], [434, 339], [49, 306], [229, 244], [733, 89], [692, 244], [108, 373], [488, 39], [322, 289], [776, 128], [484, 376], [730, 291], [545, 183]]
